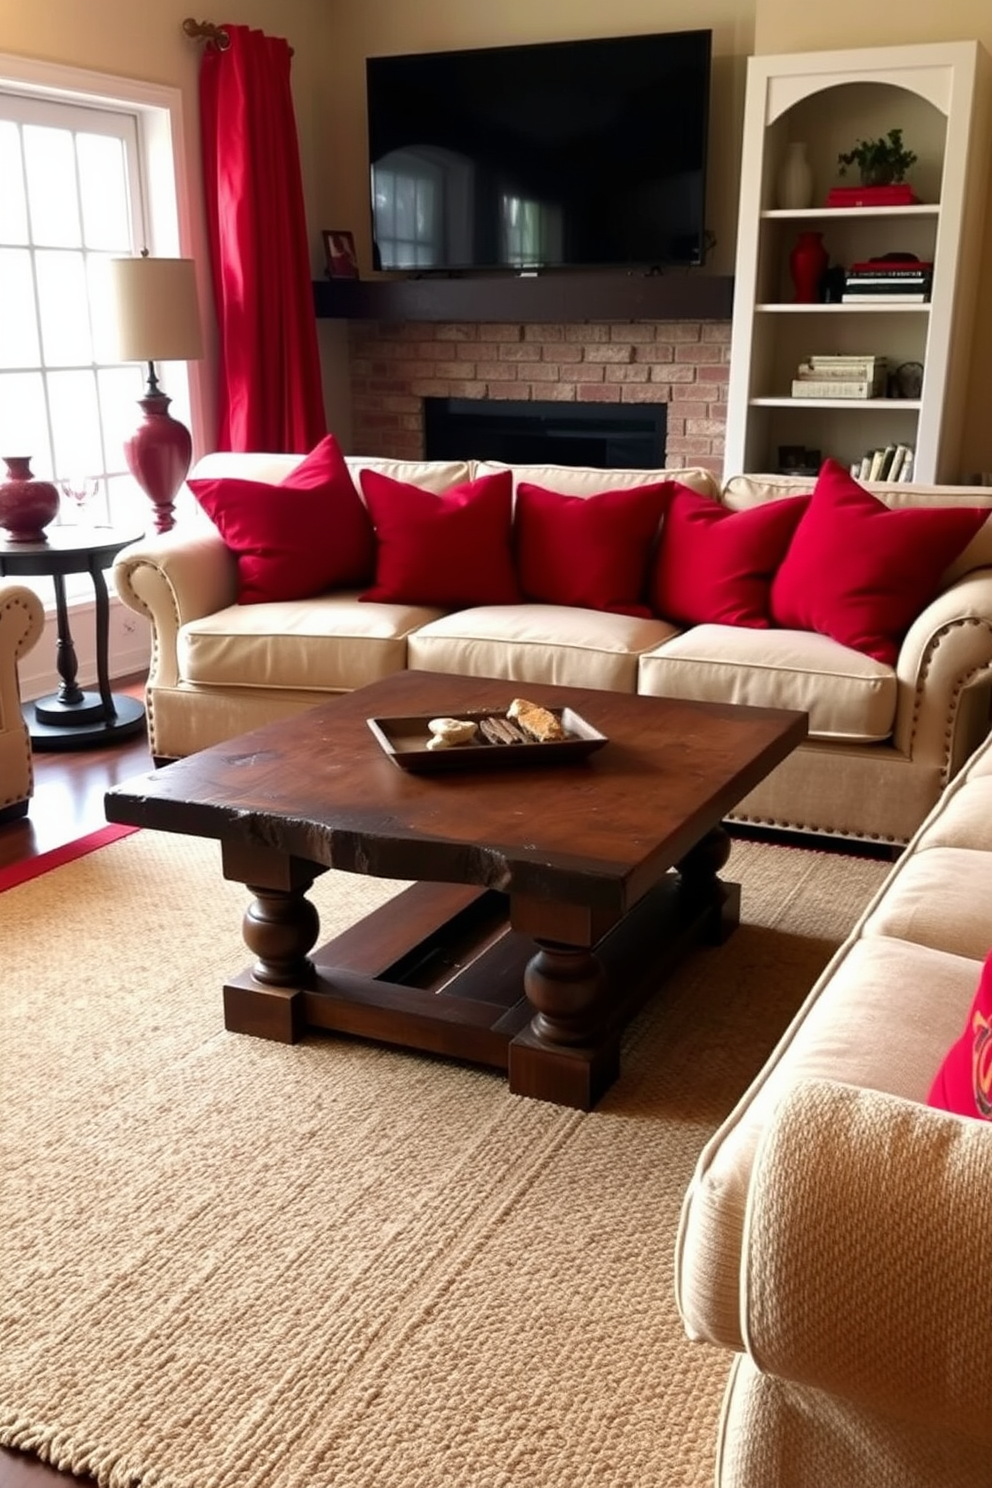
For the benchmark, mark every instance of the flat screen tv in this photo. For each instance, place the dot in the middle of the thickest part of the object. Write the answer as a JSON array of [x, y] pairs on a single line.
[[558, 154]]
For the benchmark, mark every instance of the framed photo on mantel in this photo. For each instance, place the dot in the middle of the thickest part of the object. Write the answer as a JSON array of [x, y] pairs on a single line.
[[340, 259]]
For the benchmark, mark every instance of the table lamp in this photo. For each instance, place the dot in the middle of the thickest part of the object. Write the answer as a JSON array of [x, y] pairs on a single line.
[[158, 320]]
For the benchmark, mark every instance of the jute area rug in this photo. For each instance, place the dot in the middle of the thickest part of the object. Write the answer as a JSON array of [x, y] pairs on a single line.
[[229, 1263]]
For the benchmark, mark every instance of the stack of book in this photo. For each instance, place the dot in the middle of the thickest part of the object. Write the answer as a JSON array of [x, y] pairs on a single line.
[[840, 376], [888, 281], [890, 462]]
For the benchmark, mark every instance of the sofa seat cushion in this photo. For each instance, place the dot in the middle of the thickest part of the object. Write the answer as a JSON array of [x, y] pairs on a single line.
[[850, 1030], [332, 643], [538, 643], [848, 696], [939, 897]]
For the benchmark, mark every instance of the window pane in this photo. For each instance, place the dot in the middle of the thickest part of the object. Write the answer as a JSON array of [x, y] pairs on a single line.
[[130, 509], [51, 166], [23, 420], [119, 391], [103, 188], [65, 320], [18, 326], [13, 204], [75, 423]]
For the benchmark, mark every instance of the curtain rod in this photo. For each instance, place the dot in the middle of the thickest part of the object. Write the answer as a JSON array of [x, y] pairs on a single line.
[[207, 31]]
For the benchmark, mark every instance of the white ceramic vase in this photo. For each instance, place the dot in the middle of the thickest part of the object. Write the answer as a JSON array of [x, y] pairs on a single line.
[[795, 179]]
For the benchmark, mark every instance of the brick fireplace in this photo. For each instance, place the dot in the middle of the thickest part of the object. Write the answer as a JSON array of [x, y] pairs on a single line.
[[683, 364]]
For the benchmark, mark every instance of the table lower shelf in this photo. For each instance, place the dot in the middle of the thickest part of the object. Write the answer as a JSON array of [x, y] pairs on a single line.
[[454, 984]]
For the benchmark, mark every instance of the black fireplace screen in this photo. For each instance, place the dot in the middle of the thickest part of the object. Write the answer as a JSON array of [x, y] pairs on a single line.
[[605, 436]]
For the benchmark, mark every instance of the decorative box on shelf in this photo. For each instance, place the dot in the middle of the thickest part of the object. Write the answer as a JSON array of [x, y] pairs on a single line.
[[900, 194]]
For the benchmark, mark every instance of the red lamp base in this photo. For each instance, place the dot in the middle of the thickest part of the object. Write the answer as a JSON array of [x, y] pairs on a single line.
[[158, 455]]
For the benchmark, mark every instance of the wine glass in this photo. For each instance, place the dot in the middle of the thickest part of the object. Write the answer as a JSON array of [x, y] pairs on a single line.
[[78, 493]]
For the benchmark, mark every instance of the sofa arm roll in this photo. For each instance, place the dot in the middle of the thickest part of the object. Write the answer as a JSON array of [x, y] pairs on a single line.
[[945, 656], [174, 579], [866, 1255]]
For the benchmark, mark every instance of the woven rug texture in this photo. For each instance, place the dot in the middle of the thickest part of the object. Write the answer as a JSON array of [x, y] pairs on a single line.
[[229, 1263]]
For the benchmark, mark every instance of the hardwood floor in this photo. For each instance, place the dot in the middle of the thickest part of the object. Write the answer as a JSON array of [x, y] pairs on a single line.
[[67, 803], [69, 786]]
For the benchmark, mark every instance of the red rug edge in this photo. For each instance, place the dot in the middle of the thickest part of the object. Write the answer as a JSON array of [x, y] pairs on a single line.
[[57, 857]]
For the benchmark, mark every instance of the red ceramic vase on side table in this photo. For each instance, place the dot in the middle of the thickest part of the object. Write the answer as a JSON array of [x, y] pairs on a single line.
[[807, 265], [27, 504]]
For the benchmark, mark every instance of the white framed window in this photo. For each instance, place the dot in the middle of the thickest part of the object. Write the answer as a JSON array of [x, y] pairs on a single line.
[[70, 198], [91, 167]]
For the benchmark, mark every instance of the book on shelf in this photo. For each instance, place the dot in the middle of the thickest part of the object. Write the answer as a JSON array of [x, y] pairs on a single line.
[[886, 286], [880, 462], [898, 461], [884, 297], [883, 275], [900, 194], [891, 266], [835, 387], [889, 462], [852, 369]]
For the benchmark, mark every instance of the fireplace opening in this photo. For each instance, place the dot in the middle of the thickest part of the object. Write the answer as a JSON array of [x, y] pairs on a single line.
[[605, 436]]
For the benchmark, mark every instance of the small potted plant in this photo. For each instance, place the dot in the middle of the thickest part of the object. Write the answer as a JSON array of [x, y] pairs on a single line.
[[881, 162]]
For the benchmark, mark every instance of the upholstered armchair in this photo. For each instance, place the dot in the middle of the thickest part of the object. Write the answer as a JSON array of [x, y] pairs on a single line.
[[22, 617]]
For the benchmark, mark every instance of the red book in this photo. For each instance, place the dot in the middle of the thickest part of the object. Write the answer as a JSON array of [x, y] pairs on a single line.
[[891, 266], [899, 195]]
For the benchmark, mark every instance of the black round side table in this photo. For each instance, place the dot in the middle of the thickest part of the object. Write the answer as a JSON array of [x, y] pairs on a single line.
[[72, 718]]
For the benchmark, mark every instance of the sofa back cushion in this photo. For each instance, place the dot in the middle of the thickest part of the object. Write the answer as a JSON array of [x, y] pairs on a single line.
[[860, 571], [742, 492], [716, 566], [589, 480]]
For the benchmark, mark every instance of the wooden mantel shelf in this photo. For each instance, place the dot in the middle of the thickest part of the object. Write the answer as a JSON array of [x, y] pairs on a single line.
[[680, 295]]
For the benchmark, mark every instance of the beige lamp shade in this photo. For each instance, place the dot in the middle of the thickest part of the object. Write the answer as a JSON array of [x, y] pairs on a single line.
[[158, 315]]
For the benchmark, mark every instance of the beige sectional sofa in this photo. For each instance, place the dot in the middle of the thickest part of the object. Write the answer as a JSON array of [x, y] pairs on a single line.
[[22, 618], [883, 740], [835, 1236]]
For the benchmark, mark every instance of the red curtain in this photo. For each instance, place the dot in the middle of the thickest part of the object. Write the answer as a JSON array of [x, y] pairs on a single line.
[[269, 388]]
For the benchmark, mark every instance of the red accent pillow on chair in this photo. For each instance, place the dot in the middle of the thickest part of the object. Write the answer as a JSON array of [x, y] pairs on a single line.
[[716, 566], [964, 1081], [591, 551], [450, 550], [860, 571], [308, 533]]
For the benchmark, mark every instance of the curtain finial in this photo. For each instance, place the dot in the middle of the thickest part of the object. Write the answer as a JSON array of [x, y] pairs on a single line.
[[207, 31]]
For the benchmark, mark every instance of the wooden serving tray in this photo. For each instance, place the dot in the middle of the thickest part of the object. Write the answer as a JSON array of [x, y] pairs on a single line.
[[405, 741]]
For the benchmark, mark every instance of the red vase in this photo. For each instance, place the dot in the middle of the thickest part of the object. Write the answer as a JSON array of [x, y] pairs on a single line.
[[27, 505], [807, 265]]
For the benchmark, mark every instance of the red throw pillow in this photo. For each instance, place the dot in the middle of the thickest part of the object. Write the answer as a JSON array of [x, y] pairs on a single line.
[[716, 566], [308, 533], [964, 1081], [451, 550], [591, 551], [860, 572]]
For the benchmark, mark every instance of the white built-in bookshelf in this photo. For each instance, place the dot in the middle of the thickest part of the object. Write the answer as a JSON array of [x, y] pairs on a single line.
[[940, 95]]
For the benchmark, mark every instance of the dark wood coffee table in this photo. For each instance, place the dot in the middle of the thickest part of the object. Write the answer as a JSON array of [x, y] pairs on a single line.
[[549, 899]]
